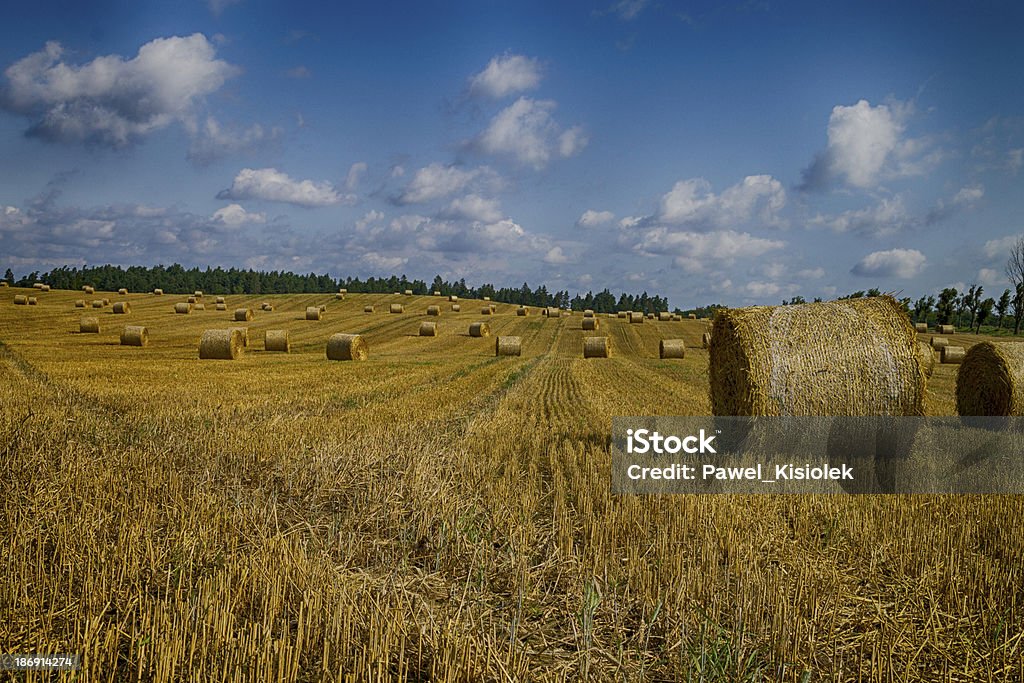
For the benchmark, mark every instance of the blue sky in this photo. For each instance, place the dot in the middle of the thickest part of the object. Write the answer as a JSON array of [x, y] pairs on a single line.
[[740, 152]]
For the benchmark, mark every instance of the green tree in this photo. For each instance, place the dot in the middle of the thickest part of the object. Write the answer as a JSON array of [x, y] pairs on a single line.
[[946, 306], [1002, 306], [984, 311]]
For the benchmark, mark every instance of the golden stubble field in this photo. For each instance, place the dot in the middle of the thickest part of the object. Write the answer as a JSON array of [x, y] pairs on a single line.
[[436, 513]]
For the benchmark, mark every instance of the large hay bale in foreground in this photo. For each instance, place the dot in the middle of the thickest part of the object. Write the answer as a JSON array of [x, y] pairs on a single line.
[[428, 329], [433, 310], [245, 314], [347, 347], [939, 342], [672, 348], [596, 347], [591, 324], [221, 307], [277, 340], [183, 308], [456, 308], [221, 344], [508, 346], [122, 307], [990, 380], [522, 310], [79, 303], [89, 325], [158, 292], [952, 355], [134, 335], [98, 303], [921, 327], [945, 329], [397, 308], [479, 330], [927, 357], [856, 357], [20, 300]]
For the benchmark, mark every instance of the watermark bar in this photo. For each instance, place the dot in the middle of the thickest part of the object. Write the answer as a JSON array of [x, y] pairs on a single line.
[[838, 455], [40, 662]]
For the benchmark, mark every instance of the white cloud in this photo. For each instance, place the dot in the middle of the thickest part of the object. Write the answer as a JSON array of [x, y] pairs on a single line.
[[969, 195], [272, 185], [899, 263], [526, 131], [218, 6], [1001, 247], [697, 252], [111, 100], [592, 219], [887, 217], [437, 180], [474, 207], [811, 273], [556, 256], [355, 172], [506, 75], [990, 277], [691, 202], [299, 72], [384, 264], [212, 141], [234, 215]]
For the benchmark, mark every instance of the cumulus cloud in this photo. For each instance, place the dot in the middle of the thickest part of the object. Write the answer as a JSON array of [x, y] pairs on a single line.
[[111, 100], [527, 131], [1001, 247], [272, 185], [692, 203], [887, 217], [898, 263], [555, 256], [218, 6], [355, 172], [212, 141], [474, 207], [865, 145], [966, 197], [437, 180], [505, 75], [235, 216], [990, 277], [698, 252], [592, 219]]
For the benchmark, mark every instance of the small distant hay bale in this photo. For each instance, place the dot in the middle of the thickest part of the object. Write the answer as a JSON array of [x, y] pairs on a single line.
[[80, 303], [347, 347], [544, 312], [622, 314], [927, 357], [945, 329], [676, 318], [952, 355], [44, 288], [158, 292], [367, 309], [339, 296], [487, 298], [106, 302], [486, 310], [219, 300], [672, 348], [33, 301], [397, 308], [433, 310], [323, 308], [479, 330], [221, 307], [122, 292], [20, 300], [692, 316], [342, 291], [277, 340], [855, 357], [428, 329], [245, 314], [990, 380], [636, 317], [89, 325], [122, 307], [522, 310], [267, 306], [199, 307], [591, 323], [437, 293], [134, 335], [939, 342], [312, 313], [38, 285], [588, 313], [664, 316], [222, 344], [921, 327], [452, 297], [554, 313], [508, 346], [4, 283], [192, 299], [596, 347], [183, 308], [408, 292], [456, 308], [98, 303], [88, 289], [198, 294], [705, 339], [650, 316]]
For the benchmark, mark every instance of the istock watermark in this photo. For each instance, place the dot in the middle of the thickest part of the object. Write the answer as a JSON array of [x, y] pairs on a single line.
[[841, 455]]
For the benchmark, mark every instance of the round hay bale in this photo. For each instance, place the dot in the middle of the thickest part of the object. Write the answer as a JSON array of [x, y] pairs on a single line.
[[672, 348], [97, 303], [37, 285], [636, 317], [122, 307], [323, 308], [277, 340], [347, 347], [408, 292], [244, 333], [664, 316], [554, 313], [544, 312], [939, 342], [342, 291], [106, 302], [650, 316], [89, 325], [178, 308], [339, 296], [198, 294], [428, 329], [4, 283], [522, 310], [692, 316], [456, 308], [945, 329], [952, 355], [192, 299], [80, 303], [508, 346], [622, 314], [921, 327], [927, 358], [221, 307], [990, 380], [199, 307], [45, 288], [314, 313], [591, 323], [589, 313], [479, 330], [219, 300], [433, 310], [267, 306], [487, 298], [89, 289], [487, 310], [33, 301], [856, 357], [20, 300], [452, 297], [397, 308], [705, 340], [122, 292], [134, 335], [245, 314], [221, 344], [437, 293], [158, 292], [596, 347], [367, 309]]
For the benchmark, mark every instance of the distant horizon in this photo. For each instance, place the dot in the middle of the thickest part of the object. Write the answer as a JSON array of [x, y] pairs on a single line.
[[740, 153]]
